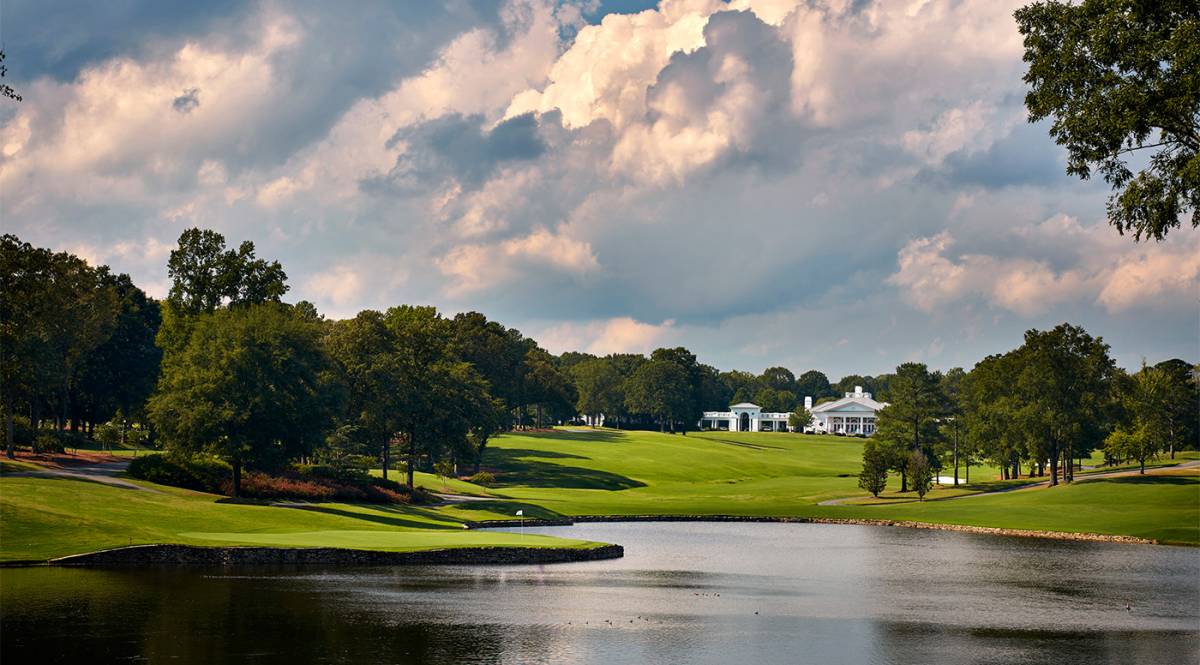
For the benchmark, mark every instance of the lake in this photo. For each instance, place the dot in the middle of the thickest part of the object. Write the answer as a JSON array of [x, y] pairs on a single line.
[[684, 593]]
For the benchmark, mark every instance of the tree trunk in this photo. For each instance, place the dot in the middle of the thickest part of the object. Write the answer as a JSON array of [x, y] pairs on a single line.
[[1142, 460], [64, 403], [412, 456], [538, 426], [903, 482], [35, 412], [956, 453], [237, 477], [386, 449], [8, 412], [1053, 467], [662, 426]]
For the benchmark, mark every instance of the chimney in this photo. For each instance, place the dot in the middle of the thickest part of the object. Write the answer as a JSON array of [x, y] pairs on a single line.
[[808, 403]]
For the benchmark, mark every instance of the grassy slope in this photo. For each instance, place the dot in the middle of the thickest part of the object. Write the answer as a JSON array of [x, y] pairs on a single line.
[[782, 474], [42, 518], [551, 474]]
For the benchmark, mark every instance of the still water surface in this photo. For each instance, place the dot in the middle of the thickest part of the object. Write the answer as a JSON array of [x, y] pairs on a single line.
[[684, 593]]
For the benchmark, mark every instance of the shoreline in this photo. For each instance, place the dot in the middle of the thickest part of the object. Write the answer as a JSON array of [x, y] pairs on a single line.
[[249, 555], [909, 524]]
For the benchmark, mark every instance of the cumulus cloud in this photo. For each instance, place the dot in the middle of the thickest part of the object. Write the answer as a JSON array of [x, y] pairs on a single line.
[[1108, 272], [475, 267], [767, 174], [619, 335]]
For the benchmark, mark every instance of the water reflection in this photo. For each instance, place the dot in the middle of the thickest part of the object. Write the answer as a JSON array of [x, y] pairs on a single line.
[[684, 593]]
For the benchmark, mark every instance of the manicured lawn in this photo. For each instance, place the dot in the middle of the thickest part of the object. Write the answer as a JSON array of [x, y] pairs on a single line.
[[606, 472], [1161, 507], [42, 518], [774, 474]]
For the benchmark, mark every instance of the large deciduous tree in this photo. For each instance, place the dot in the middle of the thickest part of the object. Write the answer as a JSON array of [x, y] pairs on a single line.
[[1120, 77], [249, 386], [1181, 404], [1063, 386], [660, 388], [910, 420], [600, 387], [364, 360], [443, 395], [206, 277], [120, 375]]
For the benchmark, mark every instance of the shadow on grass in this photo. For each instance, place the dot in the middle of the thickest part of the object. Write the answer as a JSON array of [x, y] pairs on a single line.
[[396, 521], [533, 473], [519, 469], [742, 444], [598, 434], [509, 508], [510, 454], [1145, 480]]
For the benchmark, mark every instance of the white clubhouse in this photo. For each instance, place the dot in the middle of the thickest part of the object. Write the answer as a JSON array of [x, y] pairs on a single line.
[[853, 414]]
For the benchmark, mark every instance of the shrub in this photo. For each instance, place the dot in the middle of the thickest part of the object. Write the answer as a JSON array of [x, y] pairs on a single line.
[[350, 475], [199, 474], [48, 442], [108, 434], [483, 479], [22, 432]]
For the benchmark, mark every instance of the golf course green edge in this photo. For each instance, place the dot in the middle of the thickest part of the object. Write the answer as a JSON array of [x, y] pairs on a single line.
[[226, 556]]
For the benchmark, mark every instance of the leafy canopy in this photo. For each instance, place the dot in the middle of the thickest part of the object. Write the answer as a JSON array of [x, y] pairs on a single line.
[[1117, 77]]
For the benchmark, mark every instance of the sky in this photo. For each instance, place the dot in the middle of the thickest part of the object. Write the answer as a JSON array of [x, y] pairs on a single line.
[[840, 185]]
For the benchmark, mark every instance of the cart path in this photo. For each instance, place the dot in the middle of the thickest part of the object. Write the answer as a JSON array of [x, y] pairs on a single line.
[[1190, 464], [100, 473]]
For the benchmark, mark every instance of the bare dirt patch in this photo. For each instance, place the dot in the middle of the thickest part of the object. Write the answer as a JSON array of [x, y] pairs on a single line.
[[67, 460]]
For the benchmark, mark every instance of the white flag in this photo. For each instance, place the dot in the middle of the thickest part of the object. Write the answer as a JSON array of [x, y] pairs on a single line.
[[520, 513]]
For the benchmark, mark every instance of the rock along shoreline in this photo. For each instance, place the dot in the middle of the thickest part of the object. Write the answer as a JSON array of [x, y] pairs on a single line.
[[994, 531], [226, 556]]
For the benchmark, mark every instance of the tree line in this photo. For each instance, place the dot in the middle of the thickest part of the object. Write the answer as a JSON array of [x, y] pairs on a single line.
[[224, 366], [1043, 407]]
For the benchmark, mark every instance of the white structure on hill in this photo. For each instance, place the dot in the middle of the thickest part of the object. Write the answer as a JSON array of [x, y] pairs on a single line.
[[745, 417], [853, 414]]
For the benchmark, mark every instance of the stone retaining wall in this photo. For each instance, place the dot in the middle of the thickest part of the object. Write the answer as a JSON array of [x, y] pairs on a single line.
[[188, 554], [1058, 535]]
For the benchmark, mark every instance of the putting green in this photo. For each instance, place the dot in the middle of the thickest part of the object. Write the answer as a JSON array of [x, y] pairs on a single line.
[[398, 541]]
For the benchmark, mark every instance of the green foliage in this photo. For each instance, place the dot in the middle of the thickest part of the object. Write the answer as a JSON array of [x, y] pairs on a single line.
[[109, 435], [800, 419], [920, 473], [660, 388], [250, 387], [48, 441], [205, 276], [441, 398], [201, 474], [444, 470], [910, 420], [483, 479], [22, 432], [600, 387], [119, 375], [874, 474], [775, 401], [350, 475], [1117, 78]]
